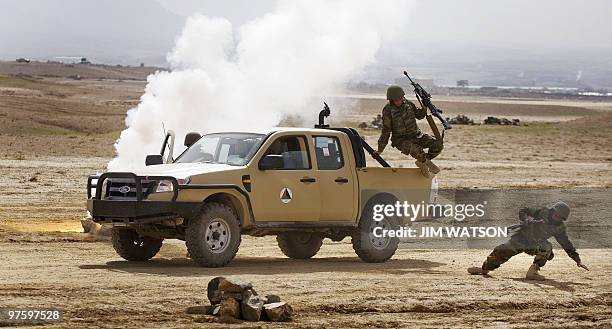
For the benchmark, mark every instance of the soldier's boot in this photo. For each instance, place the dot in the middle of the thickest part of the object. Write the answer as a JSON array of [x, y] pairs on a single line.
[[474, 270], [432, 167], [424, 169], [532, 273]]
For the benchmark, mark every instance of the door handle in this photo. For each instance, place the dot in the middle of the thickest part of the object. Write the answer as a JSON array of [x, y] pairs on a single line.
[[341, 180], [307, 180]]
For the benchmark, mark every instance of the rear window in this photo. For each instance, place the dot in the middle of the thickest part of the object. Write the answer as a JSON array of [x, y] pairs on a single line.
[[329, 153]]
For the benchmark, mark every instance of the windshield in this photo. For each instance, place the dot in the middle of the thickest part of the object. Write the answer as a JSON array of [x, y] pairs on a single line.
[[234, 149]]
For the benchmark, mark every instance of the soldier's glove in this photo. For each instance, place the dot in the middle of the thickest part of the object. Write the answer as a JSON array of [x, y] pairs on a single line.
[[583, 266]]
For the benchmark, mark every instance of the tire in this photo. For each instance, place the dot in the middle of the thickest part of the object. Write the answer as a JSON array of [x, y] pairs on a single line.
[[370, 248], [213, 238], [299, 245], [134, 247]]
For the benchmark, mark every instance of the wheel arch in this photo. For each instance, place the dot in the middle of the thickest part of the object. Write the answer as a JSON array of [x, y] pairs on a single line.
[[382, 197], [231, 201]]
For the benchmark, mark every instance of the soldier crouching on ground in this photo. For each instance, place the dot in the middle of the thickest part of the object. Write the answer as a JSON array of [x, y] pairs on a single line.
[[535, 228], [399, 121]]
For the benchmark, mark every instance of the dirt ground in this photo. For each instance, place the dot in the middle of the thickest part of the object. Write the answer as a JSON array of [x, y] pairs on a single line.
[[417, 288], [56, 131]]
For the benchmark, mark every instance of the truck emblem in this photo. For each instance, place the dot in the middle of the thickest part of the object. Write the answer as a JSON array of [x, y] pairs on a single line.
[[125, 189], [286, 195]]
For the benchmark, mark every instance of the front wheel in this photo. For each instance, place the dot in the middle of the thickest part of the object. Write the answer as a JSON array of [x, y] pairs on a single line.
[[132, 246], [213, 238], [299, 245]]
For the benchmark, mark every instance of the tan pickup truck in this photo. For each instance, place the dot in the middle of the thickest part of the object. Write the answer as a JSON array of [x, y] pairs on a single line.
[[302, 185]]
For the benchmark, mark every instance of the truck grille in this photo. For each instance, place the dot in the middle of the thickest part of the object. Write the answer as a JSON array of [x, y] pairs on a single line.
[[125, 188]]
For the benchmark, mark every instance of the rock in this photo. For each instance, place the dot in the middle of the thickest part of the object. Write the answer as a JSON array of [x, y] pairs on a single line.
[[213, 286], [221, 295], [272, 299], [278, 311], [199, 310], [215, 310], [251, 306], [502, 121], [492, 121], [460, 120], [89, 226], [229, 286], [230, 308], [229, 319]]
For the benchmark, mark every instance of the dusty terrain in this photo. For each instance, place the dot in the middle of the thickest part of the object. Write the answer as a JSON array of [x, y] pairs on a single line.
[[56, 131], [418, 288]]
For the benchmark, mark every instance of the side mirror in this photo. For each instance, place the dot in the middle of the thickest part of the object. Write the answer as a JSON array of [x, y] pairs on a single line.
[[191, 138], [271, 162], [154, 159]]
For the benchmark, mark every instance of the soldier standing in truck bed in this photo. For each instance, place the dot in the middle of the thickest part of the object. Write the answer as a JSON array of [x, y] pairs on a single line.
[[536, 227], [399, 121]]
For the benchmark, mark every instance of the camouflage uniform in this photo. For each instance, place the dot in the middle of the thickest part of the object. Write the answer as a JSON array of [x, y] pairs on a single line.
[[532, 239], [400, 123]]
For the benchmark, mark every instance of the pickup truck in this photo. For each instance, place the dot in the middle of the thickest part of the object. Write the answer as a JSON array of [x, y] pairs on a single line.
[[300, 184]]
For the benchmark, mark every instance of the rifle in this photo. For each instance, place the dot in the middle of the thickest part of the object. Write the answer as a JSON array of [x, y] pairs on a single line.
[[424, 99], [524, 222]]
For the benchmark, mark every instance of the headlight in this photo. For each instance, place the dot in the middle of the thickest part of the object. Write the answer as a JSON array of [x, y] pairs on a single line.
[[164, 186], [104, 189]]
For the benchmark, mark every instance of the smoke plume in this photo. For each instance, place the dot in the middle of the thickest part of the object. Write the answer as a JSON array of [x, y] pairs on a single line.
[[247, 79]]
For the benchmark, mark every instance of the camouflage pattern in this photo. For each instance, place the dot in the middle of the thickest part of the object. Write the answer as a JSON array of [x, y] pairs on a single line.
[[532, 239], [415, 147], [400, 123], [395, 92], [505, 251]]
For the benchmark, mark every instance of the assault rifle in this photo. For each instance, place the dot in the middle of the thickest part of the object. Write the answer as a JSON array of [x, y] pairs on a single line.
[[424, 99]]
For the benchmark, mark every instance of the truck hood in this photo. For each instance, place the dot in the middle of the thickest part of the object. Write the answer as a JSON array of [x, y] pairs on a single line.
[[183, 170]]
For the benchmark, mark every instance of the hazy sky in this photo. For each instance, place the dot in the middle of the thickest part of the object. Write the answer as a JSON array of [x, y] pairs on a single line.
[[513, 35], [524, 24]]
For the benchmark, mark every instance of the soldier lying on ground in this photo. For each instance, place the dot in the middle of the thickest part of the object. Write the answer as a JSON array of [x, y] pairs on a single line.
[[536, 227], [399, 121]]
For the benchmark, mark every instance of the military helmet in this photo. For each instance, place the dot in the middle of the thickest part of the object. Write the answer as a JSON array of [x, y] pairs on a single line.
[[561, 208], [395, 92]]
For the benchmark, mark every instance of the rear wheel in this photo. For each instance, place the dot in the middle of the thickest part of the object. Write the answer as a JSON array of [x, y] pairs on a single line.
[[299, 245], [132, 246], [213, 238], [370, 247]]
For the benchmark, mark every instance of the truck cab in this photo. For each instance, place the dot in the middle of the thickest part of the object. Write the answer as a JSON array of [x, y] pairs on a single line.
[[301, 184]]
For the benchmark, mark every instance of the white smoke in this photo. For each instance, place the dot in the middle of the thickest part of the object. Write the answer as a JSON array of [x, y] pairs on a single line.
[[245, 80]]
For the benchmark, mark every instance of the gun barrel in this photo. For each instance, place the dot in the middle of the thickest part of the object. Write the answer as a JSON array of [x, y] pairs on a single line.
[[406, 74]]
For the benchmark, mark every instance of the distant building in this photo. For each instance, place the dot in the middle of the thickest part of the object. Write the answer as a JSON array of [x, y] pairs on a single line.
[[84, 61], [404, 82], [22, 60], [463, 83]]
